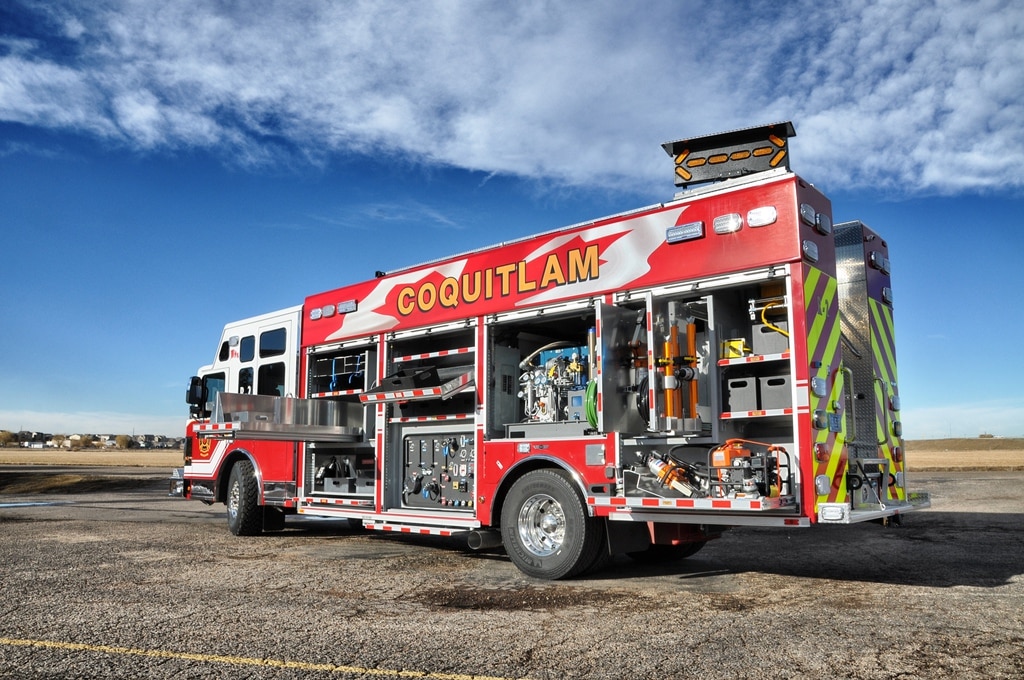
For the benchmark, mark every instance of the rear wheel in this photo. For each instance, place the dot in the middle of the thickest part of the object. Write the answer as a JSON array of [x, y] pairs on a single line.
[[245, 517], [546, 529]]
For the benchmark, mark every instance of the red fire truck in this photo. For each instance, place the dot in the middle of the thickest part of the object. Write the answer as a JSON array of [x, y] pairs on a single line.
[[635, 384]]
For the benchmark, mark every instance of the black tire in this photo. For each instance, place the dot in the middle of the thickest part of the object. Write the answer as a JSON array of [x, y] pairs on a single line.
[[667, 553], [245, 516], [603, 557], [546, 529]]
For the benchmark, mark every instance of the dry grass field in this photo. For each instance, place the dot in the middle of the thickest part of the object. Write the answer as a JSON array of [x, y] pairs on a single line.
[[162, 458], [926, 455]]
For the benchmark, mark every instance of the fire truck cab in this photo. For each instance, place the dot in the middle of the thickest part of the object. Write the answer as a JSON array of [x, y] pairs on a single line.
[[635, 384]]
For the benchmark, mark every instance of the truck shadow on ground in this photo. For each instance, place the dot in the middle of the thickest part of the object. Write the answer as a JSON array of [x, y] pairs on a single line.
[[934, 549]]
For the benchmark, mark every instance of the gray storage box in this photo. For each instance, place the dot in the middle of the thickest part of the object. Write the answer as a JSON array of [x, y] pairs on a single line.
[[775, 392], [339, 485], [768, 341], [742, 394]]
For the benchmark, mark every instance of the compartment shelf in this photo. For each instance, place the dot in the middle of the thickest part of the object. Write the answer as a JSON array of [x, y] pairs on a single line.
[[755, 359], [770, 413], [338, 393], [431, 419]]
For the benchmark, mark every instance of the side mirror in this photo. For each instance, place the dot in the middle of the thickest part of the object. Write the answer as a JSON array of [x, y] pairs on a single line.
[[196, 393]]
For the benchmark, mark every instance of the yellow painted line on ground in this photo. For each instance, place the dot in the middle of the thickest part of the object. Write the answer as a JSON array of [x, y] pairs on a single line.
[[241, 660]]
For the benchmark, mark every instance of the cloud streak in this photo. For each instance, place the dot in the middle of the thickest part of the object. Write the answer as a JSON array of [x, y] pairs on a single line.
[[913, 97]]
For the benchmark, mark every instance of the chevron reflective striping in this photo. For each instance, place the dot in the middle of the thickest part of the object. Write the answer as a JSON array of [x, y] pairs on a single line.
[[821, 302], [823, 328], [835, 468], [883, 348]]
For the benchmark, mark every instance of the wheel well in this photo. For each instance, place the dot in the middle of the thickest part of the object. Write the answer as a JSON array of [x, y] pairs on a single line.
[[225, 472], [526, 466]]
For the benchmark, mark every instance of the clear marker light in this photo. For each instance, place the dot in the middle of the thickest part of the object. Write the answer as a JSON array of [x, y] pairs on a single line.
[[727, 224], [823, 223], [763, 216], [808, 214]]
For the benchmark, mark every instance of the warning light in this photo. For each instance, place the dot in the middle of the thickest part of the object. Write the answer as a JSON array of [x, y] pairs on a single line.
[[684, 232], [731, 154], [879, 262], [832, 513], [727, 224], [823, 223], [763, 216]]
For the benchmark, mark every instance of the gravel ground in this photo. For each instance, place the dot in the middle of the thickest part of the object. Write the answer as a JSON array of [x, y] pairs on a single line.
[[130, 583]]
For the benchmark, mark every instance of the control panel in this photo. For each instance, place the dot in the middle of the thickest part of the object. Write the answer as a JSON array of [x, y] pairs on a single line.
[[438, 471]]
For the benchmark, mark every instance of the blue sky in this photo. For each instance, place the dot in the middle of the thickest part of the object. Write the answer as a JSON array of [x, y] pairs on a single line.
[[169, 167]]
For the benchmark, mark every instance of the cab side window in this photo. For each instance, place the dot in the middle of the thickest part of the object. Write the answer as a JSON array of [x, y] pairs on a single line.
[[245, 381], [270, 379], [272, 343], [247, 348], [214, 385]]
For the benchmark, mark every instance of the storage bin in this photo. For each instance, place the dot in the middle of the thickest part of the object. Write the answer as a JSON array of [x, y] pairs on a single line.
[[339, 485], [775, 392], [769, 341], [742, 394]]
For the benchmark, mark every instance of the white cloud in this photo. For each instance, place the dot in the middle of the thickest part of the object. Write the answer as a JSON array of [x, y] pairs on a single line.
[[911, 96], [372, 216]]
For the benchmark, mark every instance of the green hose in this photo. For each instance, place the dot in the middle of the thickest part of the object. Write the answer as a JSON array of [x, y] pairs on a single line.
[[590, 403]]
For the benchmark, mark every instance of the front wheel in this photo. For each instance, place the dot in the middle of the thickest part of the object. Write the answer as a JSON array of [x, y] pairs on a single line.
[[244, 513], [546, 529]]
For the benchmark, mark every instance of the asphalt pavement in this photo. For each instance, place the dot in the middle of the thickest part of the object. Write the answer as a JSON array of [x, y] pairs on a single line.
[[122, 581]]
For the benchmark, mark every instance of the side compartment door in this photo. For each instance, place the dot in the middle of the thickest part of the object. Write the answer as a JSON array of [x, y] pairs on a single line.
[[617, 328]]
